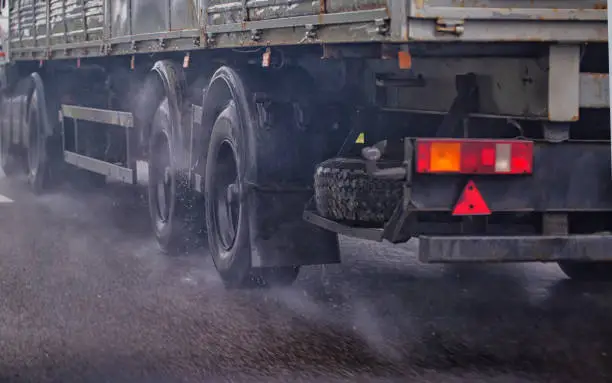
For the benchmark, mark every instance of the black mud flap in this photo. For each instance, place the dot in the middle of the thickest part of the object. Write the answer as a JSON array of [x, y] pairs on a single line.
[[279, 235], [446, 249]]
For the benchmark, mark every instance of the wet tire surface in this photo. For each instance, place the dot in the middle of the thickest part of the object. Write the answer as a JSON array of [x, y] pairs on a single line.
[[86, 296]]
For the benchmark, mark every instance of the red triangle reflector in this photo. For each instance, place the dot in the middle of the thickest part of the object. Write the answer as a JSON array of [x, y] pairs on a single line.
[[471, 202]]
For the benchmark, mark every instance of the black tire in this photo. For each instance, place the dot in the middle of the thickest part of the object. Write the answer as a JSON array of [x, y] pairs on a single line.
[[168, 188], [10, 161], [227, 209], [38, 159], [345, 192], [587, 271]]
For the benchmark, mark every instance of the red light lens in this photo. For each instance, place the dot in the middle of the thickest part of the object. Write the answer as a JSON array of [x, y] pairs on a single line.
[[480, 156], [487, 156], [422, 152], [522, 157]]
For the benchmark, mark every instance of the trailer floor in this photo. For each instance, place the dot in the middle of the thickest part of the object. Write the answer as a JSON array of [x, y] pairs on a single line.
[[85, 296]]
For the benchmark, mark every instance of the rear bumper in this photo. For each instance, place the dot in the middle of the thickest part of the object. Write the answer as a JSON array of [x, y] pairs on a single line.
[[474, 249], [516, 249]]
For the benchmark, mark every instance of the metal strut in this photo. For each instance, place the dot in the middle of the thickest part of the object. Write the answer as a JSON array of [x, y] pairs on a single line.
[[465, 102], [126, 174]]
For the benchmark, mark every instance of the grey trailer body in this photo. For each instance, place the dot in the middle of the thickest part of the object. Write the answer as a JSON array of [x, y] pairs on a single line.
[[85, 28], [268, 127]]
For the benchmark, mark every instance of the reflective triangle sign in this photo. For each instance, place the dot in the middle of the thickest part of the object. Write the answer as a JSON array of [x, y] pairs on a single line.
[[471, 202]]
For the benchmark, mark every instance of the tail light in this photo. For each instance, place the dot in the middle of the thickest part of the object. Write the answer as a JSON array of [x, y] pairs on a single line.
[[467, 156]]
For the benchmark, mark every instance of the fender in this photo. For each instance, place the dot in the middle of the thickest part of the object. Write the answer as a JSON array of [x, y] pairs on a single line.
[[18, 103], [25, 91], [278, 234], [226, 84], [173, 80]]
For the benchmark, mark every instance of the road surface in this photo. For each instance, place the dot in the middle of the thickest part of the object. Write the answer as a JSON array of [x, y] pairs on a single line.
[[85, 296]]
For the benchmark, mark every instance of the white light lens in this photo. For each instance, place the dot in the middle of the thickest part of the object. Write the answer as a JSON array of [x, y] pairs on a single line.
[[502, 158]]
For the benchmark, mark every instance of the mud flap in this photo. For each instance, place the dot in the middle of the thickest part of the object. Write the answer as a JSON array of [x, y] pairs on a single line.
[[279, 235]]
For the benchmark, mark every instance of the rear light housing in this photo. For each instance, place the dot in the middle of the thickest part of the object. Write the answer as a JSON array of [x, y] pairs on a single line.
[[467, 156]]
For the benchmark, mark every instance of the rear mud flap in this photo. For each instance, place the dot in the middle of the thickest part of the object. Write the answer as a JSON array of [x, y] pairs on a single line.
[[280, 236]]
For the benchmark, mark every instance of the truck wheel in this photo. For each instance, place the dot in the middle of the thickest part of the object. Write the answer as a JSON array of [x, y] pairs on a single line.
[[587, 271], [227, 208], [8, 158], [345, 192], [167, 188], [37, 155]]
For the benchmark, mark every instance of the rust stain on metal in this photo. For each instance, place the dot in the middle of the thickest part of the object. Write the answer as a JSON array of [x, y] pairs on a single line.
[[419, 4], [322, 6], [601, 6], [598, 76]]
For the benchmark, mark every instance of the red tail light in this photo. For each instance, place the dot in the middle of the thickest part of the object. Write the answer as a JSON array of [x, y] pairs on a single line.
[[467, 156]]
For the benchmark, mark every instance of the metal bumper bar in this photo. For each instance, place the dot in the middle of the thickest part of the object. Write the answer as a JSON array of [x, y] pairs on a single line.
[[372, 234], [515, 248]]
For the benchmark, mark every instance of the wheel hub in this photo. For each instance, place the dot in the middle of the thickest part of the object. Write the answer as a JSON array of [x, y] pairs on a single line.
[[227, 197]]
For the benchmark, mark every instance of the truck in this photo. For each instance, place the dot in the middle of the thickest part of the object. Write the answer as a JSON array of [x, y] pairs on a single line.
[[266, 128]]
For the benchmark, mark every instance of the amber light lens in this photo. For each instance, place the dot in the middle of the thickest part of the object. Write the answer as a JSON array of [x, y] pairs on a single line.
[[445, 157]]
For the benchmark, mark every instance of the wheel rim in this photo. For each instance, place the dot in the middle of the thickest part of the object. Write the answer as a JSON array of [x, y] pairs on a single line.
[[226, 201], [163, 180]]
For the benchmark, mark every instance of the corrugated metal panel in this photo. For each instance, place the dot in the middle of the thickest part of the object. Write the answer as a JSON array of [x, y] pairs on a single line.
[[230, 11], [94, 19], [41, 22], [70, 21], [510, 9], [22, 23], [57, 25]]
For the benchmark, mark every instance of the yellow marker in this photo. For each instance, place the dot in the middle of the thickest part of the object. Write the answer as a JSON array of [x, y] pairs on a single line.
[[360, 139]]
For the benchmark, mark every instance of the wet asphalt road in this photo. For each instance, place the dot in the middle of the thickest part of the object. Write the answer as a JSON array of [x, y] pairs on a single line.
[[85, 296]]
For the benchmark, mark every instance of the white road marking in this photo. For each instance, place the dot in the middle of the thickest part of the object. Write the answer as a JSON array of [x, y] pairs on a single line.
[[5, 199]]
